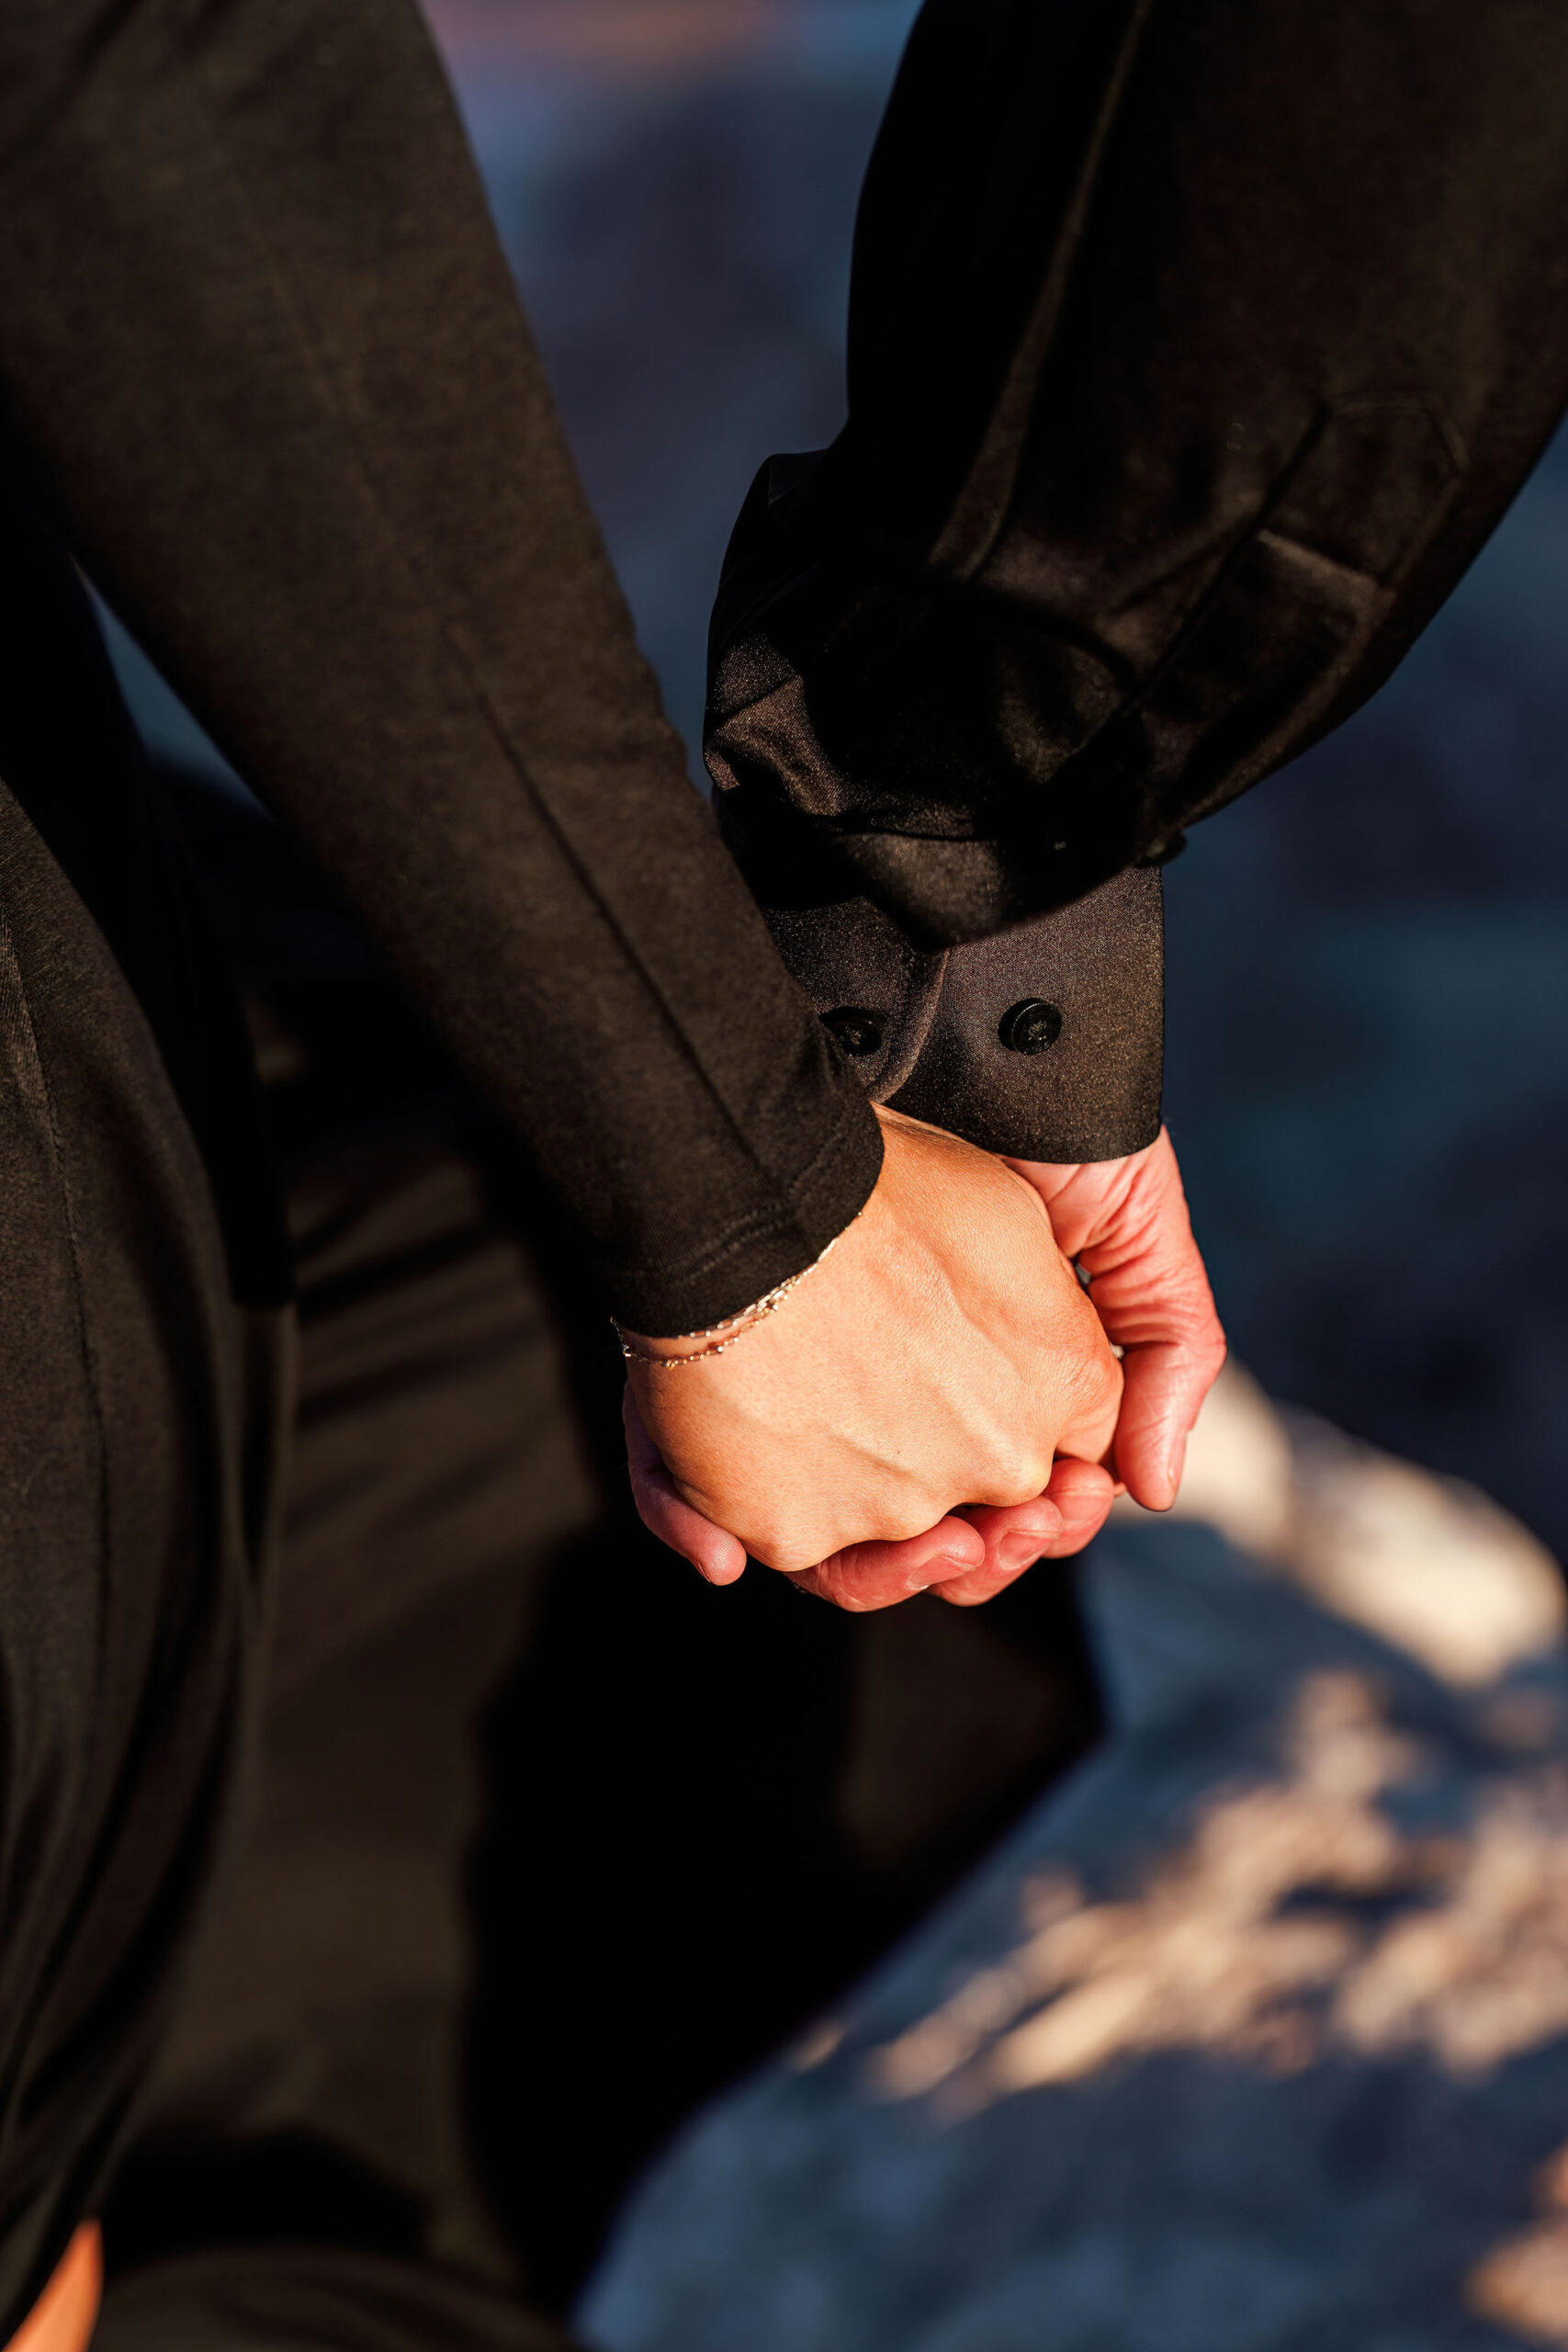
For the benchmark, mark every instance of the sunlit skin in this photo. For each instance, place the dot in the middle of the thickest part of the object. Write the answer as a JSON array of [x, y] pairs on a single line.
[[1125, 1223], [65, 2315], [943, 1352]]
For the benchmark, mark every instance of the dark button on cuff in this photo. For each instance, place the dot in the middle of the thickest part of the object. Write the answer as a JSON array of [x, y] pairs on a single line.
[[858, 1032], [1030, 1027]]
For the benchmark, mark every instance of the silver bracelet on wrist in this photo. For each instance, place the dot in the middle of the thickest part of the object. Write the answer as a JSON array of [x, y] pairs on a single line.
[[723, 1335]]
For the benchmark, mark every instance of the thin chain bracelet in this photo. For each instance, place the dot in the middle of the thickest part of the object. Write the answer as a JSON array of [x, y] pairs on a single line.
[[735, 1326]]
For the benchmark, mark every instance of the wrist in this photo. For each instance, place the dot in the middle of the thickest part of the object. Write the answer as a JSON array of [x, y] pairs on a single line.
[[714, 1338]]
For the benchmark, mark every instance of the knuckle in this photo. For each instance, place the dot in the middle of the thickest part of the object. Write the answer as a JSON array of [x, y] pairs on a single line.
[[794, 1559], [781, 1548], [1017, 1475], [915, 1519], [1092, 1387]]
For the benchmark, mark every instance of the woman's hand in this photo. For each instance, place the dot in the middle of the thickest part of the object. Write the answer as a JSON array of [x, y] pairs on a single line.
[[942, 1355]]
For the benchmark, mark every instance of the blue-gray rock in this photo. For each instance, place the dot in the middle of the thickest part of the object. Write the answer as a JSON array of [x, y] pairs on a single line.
[[1253, 2037]]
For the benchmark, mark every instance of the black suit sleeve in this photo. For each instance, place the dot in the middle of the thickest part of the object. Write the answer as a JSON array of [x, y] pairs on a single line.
[[1196, 347], [260, 346]]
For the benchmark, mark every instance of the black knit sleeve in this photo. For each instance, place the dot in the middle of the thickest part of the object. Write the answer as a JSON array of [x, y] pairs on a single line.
[[259, 343]]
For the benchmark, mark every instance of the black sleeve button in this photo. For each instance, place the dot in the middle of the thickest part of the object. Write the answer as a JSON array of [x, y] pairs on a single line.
[[1030, 1027], [858, 1032]]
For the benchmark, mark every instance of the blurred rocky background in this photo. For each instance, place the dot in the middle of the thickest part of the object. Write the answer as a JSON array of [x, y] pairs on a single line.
[[1254, 2036]]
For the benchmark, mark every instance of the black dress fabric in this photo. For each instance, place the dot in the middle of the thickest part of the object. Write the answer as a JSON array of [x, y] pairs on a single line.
[[312, 2298], [1195, 351], [547, 1838], [141, 1420], [72, 761]]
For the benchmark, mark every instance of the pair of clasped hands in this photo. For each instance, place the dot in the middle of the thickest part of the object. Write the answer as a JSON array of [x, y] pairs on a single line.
[[940, 1401]]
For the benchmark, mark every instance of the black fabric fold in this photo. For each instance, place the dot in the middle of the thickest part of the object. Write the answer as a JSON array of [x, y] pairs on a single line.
[[1194, 352]]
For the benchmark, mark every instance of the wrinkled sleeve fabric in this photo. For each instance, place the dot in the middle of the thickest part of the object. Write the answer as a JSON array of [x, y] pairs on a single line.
[[1195, 349], [258, 339]]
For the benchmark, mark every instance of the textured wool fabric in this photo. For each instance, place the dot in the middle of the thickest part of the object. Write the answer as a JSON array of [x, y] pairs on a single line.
[[1194, 352], [139, 1437], [260, 349]]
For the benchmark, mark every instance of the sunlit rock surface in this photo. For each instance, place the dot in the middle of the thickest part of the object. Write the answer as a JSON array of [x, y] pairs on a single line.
[[1429, 1564], [1253, 2037]]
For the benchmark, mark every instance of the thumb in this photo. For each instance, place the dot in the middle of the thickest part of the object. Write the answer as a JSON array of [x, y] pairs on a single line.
[[717, 1557], [1095, 1401], [1127, 1223], [1165, 1382]]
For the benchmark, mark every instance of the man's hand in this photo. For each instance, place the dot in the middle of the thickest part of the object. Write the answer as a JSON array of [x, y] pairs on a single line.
[[942, 1355], [1125, 1223]]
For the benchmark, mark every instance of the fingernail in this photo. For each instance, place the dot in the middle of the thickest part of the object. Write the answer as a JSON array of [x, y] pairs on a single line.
[[1019, 1550]]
